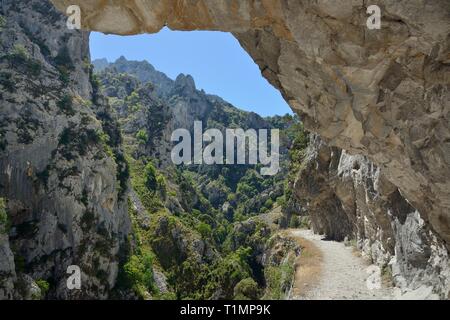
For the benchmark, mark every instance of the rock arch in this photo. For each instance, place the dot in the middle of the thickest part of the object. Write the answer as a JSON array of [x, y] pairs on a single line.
[[380, 93]]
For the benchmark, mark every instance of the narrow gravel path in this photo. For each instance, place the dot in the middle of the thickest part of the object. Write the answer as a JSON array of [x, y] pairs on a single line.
[[343, 275]]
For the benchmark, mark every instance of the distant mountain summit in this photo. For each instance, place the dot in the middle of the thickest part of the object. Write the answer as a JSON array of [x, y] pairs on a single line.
[[187, 102], [100, 64], [142, 70]]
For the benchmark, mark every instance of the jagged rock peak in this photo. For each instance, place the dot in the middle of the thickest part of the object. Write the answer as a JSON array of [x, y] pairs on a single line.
[[185, 82]]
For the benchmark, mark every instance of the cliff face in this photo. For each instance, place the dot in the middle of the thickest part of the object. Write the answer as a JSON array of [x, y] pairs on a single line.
[[382, 93], [349, 197], [64, 201]]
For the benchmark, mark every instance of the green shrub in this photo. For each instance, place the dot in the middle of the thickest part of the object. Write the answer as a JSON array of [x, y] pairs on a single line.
[[133, 98], [64, 64], [19, 53], [87, 220], [281, 201], [220, 234], [123, 173], [137, 107], [278, 280], [231, 197], [63, 59], [246, 289], [3, 144], [65, 137], [230, 271], [7, 82], [66, 104], [64, 75], [74, 140], [2, 22], [167, 296], [304, 222], [250, 185], [105, 140], [19, 262], [139, 274], [3, 216], [86, 64], [20, 59], [44, 286], [150, 177], [295, 222], [162, 185], [204, 229], [95, 83], [34, 67], [269, 204], [142, 136]]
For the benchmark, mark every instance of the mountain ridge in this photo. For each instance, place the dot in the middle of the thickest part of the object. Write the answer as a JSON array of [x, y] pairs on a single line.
[[146, 72]]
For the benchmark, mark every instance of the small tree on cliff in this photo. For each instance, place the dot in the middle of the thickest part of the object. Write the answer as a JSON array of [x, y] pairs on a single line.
[[150, 177]]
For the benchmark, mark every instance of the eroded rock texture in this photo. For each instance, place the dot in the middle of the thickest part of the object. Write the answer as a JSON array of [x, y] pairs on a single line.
[[380, 93], [349, 197], [58, 177]]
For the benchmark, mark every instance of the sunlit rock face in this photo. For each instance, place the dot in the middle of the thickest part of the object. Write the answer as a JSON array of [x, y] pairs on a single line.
[[379, 93]]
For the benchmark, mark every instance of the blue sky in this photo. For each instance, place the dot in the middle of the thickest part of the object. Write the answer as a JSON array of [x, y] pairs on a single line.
[[217, 62]]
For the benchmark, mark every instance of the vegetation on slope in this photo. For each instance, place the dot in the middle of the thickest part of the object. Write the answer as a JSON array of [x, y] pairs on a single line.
[[194, 223]]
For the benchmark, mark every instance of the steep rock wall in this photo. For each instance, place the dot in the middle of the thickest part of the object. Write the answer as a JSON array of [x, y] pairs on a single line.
[[64, 202]]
